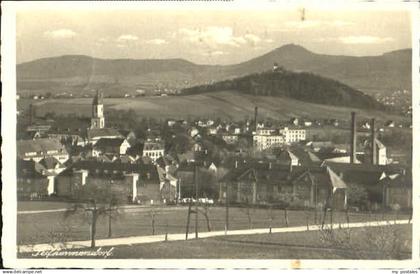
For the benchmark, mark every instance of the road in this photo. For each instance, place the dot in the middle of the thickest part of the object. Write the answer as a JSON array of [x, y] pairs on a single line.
[[177, 237]]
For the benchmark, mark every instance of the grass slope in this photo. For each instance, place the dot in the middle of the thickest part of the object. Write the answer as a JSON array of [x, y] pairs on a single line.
[[224, 104]]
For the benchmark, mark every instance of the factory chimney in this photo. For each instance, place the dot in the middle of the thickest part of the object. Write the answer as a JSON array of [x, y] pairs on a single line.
[[353, 138], [256, 117], [373, 141], [31, 113]]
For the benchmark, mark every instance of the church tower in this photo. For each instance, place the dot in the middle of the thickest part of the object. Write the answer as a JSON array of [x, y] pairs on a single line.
[[98, 119]]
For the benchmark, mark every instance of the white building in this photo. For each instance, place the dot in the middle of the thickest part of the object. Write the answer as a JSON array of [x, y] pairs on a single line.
[[153, 150], [293, 135], [263, 142]]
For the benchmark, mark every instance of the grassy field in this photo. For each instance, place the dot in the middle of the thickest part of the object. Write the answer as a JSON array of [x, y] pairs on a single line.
[[226, 104], [362, 244], [40, 205], [54, 227]]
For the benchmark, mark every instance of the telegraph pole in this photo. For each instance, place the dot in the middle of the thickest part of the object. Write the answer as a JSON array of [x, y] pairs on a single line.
[[196, 201], [227, 209]]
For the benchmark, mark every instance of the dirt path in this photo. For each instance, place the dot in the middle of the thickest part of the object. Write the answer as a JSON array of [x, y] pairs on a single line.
[[177, 237]]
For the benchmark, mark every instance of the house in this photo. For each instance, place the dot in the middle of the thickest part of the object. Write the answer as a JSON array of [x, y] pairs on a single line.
[[307, 123], [318, 145], [171, 123], [168, 186], [230, 138], [193, 132], [373, 179], [131, 182], [70, 129], [31, 184], [39, 149], [212, 131], [390, 123], [293, 135], [115, 146], [294, 121], [287, 157], [397, 190], [296, 186], [94, 134], [153, 150]]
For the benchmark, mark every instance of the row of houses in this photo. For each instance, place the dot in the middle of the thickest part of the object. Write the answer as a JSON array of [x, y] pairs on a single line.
[[316, 185], [132, 182]]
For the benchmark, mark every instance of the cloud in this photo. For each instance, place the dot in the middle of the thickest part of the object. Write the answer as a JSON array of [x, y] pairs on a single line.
[[60, 34], [127, 38], [215, 36], [364, 39], [157, 42]]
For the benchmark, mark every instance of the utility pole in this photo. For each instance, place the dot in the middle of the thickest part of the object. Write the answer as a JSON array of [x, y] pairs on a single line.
[[196, 201], [227, 208]]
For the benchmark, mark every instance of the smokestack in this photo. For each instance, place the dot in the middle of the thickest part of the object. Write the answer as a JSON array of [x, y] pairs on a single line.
[[30, 114], [373, 148], [353, 138], [255, 118]]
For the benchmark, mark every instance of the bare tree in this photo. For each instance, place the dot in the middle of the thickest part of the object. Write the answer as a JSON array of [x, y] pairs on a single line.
[[95, 201]]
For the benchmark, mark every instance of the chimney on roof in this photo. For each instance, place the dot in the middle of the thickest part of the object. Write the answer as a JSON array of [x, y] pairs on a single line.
[[353, 138], [373, 137], [256, 117]]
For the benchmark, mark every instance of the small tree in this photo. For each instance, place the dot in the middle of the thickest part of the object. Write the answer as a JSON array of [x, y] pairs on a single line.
[[95, 201]]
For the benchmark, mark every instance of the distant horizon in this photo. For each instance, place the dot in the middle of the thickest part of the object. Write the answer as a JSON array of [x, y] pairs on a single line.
[[209, 64], [207, 36]]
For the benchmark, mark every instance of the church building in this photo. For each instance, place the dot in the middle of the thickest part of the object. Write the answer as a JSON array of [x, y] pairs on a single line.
[[98, 119]]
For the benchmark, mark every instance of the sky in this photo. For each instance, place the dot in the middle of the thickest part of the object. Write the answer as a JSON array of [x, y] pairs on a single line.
[[204, 36]]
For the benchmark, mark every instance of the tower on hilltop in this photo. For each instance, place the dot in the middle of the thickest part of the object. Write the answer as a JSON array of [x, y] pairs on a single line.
[[98, 119]]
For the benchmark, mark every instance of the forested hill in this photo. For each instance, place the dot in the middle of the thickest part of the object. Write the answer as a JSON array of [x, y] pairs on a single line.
[[303, 86]]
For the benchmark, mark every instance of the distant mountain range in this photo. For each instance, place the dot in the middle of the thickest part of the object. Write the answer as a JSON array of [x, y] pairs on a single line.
[[79, 74]]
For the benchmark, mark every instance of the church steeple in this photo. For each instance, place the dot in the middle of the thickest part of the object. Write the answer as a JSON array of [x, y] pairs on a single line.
[[98, 119]]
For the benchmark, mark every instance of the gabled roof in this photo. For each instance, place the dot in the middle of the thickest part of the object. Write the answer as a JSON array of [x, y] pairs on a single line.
[[70, 126], [147, 172], [153, 146], [50, 163], [39, 146], [109, 142], [103, 132]]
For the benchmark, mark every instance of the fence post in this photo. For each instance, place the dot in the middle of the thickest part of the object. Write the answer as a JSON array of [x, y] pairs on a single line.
[[166, 230], [286, 217]]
